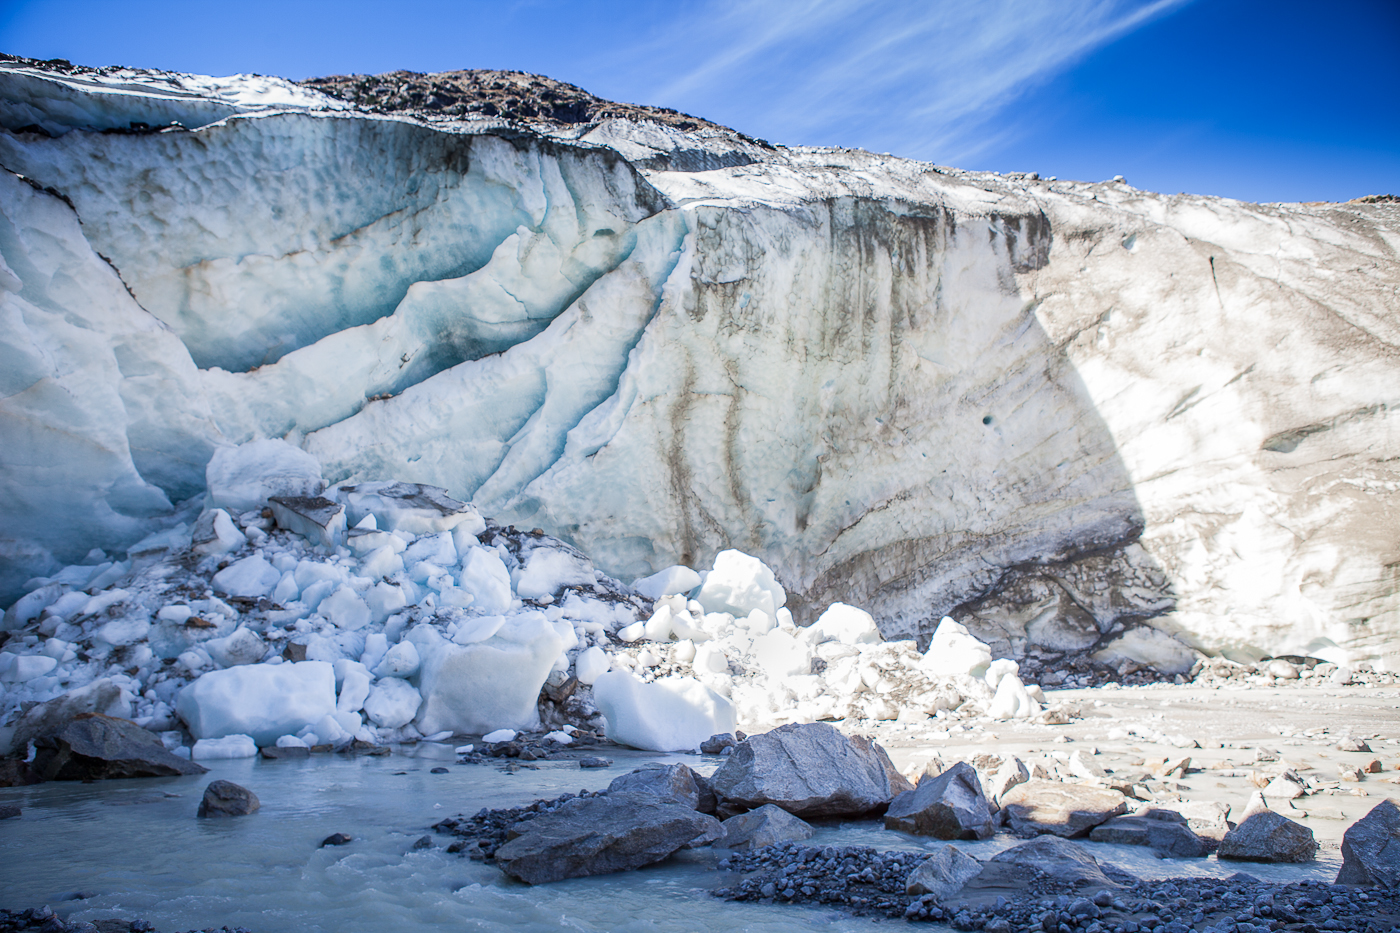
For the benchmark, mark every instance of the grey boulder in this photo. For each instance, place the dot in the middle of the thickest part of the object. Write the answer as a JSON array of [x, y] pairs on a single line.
[[1371, 849], [49, 718], [1266, 836], [766, 826], [943, 874], [810, 770], [1052, 864], [1164, 831], [93, 747], [675, 783], [1068, 810], [600, 835], [949, 806], [225, 798]]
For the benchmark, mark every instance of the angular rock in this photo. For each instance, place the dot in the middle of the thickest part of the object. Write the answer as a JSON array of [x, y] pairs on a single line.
[[716, 744], [1164, 831], [949, 806], [766, 826], [8, 812], [95, 747], [810, 770], [1371, 849], [1350, 744], [50, 718], [600, 835], [1266, 836], [225, 798], [1048, 861], [317, 519], [995, 786], [943, 874], [1066, 810], [674, 783]]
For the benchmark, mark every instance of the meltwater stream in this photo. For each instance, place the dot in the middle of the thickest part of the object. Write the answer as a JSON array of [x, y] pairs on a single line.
[[134, 848]]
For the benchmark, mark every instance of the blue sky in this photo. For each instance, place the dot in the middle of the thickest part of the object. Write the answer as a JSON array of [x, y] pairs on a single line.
[[1263, 100]]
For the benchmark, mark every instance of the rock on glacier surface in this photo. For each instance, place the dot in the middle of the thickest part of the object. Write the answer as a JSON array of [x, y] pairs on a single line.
[[1053, 410]]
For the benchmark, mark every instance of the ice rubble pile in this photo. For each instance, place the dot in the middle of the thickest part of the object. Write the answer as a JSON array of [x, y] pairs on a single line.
[[284, 613]]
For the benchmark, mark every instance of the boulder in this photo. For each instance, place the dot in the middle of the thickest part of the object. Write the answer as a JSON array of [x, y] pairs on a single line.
[[1051, 863], [600, 835], [49, 718], [1266, 836], [1067, 810], [766, 826], [1164, 831], [810, 770], [93, 747], [1371, 849], [996, 785], [949, 806], [943, 874], [674, 783], [225, 798]]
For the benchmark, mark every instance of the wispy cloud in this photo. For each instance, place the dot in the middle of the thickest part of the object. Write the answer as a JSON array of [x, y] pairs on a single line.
[[919, 79]]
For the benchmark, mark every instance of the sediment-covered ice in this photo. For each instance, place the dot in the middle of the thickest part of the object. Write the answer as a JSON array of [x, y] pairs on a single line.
[[1080, 418]]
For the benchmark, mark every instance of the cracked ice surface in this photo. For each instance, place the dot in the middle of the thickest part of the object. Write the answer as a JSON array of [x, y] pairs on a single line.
[[1054, 410]]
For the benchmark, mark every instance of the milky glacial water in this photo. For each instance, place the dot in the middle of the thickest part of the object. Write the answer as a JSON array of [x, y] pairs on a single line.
[[135, 849]]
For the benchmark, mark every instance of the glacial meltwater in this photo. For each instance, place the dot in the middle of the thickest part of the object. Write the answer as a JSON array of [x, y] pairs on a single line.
[[134, 848]]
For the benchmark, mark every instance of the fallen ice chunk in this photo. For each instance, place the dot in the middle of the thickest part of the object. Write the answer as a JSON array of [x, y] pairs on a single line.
[[999, 669], [384, 599], [845, 624], [780, 655], [410, 507], [668, 715], [241, 647], [242, 478], [500, 735], [354, 690], [486, 578], [548, 570], [591, 664], [392, 703], [491, 683], [291, 741], [953, 650], [739, 584], [563, 738], [402, 660], [19, 669], [345, 609], [437, 548], [376, 646], [672, 580], [261, 700], [250, 577], [315, 518], [127, 631], [229, 746], [477, 628], [215, 533], [1012, 700]]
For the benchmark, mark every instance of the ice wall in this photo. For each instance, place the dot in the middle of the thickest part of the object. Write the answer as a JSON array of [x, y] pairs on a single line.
[[1059, 411]]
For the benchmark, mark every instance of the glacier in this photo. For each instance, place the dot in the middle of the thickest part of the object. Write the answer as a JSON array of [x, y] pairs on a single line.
[[1079, 418]]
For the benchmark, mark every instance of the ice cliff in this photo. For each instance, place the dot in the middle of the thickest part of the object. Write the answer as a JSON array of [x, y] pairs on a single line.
[[1077, 417]]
